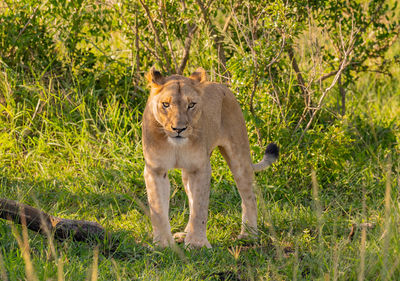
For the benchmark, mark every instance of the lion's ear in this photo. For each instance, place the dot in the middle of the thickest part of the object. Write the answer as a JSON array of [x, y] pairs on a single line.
[[199, 75], [155, 78]]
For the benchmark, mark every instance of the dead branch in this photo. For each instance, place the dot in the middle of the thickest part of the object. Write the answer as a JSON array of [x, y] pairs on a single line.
[[218, 39], [255, 86], [275, 59], [188, 42], [137, 39], [157, 35], [343, 65], [346, 49], [164, 24], [228, 20], [326, 76], [300, 78], [250, 43], [39, 221]]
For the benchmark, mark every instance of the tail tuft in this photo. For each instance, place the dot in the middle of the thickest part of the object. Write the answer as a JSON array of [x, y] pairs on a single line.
[[273, 150], [270, 156]]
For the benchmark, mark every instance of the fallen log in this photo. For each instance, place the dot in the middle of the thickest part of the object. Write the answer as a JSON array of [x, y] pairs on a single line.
[[39, 221]]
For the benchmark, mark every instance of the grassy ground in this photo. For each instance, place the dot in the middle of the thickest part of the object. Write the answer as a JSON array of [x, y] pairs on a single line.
[[70, 144], [77, 158]]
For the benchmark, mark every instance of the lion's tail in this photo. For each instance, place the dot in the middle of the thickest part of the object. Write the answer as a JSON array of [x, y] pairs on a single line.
[[270, 156]]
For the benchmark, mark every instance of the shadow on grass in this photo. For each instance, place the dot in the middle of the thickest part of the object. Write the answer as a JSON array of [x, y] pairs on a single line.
[[102, 205]]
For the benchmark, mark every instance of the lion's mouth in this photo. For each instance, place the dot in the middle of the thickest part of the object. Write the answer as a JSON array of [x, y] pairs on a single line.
[[174, 135], [178, 140], [177, 137]]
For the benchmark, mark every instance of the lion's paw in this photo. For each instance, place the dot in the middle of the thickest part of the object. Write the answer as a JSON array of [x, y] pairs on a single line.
[[247, 238], [164, 242], [179, 237], [193, 242]]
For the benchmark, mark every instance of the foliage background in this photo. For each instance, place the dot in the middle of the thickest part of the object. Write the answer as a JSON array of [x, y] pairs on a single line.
[[320, 78]]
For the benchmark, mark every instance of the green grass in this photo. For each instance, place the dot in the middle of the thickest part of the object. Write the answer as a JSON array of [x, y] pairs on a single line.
[[77, 158], [70, 144]]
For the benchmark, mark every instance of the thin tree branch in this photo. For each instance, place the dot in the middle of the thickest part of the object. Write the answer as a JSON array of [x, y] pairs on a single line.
[[276, 98], [164, 24], [137, 37], [275, 59], [345, 62], [228, 20], [157, 35], [258, 132], [300, 78], [326, 76], [188, 42], [343, 65], [218, 39]]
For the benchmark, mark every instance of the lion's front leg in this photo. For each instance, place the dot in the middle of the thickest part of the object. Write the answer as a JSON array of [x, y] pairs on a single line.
[[198, 190], [158, 189]]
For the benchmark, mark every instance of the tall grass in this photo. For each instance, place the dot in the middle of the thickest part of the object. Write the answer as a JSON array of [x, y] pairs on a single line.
[[77, 158], [71, 145]]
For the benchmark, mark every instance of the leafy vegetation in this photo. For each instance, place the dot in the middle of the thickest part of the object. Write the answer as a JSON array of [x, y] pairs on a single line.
[[320, 78]]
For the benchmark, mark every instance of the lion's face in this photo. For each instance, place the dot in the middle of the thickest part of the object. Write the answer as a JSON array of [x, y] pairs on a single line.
[[177, 107], [176, 103]]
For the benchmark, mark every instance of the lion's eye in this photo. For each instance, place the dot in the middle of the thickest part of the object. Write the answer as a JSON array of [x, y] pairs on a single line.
[[165, 104], [191, 105]]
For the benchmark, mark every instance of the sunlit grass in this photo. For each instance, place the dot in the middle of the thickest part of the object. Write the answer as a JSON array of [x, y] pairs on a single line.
[[75, 156]]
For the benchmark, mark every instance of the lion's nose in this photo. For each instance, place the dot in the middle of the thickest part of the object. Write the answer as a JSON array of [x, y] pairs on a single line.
[[178, 130]]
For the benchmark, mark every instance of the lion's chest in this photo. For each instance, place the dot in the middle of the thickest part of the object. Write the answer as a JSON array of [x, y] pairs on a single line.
[[179, 156]]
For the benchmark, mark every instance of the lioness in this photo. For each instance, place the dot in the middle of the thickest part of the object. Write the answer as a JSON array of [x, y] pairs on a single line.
[[184, 120]]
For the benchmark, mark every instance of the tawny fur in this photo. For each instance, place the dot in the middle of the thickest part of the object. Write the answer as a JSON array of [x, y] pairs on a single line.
[[185, 119]]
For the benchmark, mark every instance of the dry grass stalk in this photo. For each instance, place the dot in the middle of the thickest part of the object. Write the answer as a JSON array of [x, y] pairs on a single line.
[[361, 273], [387, 236], [3, 272], [23, 244], [94, 272], [235, 252]]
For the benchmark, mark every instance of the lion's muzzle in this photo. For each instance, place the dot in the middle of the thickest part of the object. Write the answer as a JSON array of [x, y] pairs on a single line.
[[178, 130]]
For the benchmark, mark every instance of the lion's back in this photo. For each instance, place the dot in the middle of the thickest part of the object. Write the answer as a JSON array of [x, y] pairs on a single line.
[[223, 117]]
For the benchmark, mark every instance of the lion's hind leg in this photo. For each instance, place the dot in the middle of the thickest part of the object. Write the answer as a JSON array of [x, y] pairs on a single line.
[[239, 162]]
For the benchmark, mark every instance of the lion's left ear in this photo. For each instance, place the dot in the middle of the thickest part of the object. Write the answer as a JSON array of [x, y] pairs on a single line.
[[199, 75]]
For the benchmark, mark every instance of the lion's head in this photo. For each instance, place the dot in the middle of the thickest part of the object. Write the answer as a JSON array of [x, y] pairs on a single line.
[[176, 103]]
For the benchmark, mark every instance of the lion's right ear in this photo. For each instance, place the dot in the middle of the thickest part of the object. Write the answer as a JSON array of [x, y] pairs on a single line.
[[155, 78]]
